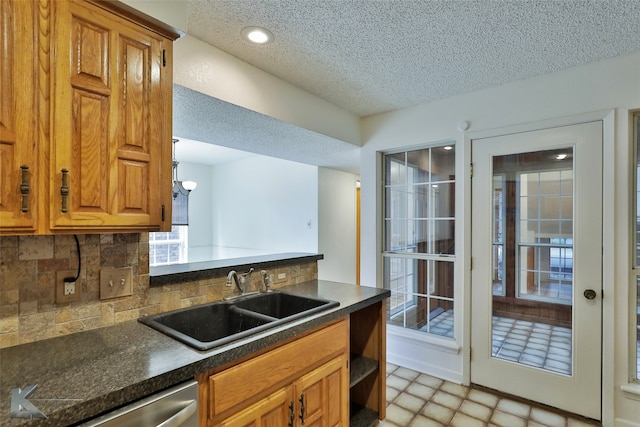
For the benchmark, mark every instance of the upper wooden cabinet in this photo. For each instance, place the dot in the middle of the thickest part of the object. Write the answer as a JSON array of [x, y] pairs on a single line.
[[102, 84], [111, 125], [18, 155]]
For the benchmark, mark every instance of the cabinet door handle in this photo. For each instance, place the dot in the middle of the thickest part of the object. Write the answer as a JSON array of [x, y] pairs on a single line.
[[24, 188], [64, 190], [302, 409], [292, 415]]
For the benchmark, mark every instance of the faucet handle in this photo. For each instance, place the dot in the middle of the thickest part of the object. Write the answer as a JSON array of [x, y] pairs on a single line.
[[230, 276], [266, 279]]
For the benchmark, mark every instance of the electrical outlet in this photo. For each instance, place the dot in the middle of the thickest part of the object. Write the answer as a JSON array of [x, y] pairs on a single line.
[[281, 277], [67, 291], [69, 288], [115, 282]]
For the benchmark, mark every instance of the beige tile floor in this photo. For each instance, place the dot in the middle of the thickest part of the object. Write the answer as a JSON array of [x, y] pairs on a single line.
[[419, 400]]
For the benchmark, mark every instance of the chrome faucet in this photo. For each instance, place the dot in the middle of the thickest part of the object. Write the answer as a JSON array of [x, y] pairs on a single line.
[[241, 282]]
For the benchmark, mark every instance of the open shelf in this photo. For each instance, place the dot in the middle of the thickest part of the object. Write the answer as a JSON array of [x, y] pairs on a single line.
[[361, 367], [362, 417], [367, 382]]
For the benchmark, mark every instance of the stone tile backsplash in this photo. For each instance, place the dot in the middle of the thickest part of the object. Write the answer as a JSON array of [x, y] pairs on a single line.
[[28, 266]]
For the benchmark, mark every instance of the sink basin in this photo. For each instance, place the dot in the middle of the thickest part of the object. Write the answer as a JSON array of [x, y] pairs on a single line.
[[282, 305], [206, 326]]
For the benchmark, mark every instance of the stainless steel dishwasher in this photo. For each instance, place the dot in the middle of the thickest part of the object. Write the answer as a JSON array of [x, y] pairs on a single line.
[[174, 407]]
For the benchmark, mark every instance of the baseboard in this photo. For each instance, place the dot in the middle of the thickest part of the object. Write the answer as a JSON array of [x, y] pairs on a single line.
[[422, 357], [626, 423]]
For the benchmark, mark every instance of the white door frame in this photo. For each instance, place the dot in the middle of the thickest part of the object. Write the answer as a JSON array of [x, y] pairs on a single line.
[[608, 261]]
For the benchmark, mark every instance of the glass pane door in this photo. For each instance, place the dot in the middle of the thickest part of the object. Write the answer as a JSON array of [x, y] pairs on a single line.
[[536, 227], [533, 259]]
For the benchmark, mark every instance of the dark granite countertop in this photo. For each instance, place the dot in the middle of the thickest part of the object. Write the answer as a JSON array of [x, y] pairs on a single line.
[[165, 274], [82, 375]]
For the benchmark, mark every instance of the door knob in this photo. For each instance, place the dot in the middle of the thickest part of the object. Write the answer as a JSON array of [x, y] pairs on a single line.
[[589, 294]]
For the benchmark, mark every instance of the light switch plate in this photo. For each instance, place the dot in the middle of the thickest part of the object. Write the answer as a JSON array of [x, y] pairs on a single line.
[[115, 282]]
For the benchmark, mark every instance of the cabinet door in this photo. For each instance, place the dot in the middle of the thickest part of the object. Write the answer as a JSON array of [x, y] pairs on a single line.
[[323, 395], [17, 117], [276, 410], [109, 130]]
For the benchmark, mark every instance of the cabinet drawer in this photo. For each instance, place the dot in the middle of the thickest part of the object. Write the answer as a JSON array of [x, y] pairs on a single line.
[[247, 381], [273, 410]]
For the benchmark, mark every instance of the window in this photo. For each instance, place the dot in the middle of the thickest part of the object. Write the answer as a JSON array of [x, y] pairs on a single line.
[[419, 244], [532, 220], [635, 283], [545, 229], [169, 247], [498, 234]]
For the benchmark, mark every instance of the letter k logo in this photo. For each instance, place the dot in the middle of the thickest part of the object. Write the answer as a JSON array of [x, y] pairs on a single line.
[[21, 407]]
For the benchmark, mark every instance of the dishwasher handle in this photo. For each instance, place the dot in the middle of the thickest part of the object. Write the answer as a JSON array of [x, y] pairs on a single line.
[[180, 417]]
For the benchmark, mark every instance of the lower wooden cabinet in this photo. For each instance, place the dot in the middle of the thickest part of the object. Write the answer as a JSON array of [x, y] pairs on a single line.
[[318, 399], [368, 364], [323, 397], [302, 383], [275, 410]]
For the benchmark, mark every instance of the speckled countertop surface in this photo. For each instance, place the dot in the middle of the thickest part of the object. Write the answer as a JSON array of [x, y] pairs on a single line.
[[82, 375]]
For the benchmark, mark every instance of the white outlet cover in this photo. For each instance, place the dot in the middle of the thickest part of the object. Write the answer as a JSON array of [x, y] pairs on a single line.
[[69, 288]]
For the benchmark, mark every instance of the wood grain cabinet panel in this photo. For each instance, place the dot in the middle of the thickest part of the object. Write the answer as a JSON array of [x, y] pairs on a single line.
[[18, 206], [304, 380], [322, 395], [275, 410], [86, 108], [317, 399], [368, 364], [111, 144]]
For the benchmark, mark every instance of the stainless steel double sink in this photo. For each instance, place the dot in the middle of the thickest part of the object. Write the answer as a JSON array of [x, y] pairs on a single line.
[[207, 326]]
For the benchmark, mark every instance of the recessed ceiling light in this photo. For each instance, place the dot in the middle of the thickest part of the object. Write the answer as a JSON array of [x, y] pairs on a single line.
[[257, 35], [448, 147], [561, 156]]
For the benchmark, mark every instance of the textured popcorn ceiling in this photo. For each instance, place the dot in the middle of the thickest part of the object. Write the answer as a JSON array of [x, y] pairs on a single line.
[[374, 56]]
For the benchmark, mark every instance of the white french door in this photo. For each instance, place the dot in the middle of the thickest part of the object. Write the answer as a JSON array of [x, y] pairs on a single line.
[[537, 266]]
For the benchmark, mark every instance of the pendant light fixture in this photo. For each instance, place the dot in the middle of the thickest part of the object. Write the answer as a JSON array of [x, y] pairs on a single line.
[[180, 192]]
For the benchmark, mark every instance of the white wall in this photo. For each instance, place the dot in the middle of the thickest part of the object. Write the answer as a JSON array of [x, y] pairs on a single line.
[[201, 67], [171, 12], [200, 203], [266, 204], [607, 85], [277, 196], [337, 228]]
